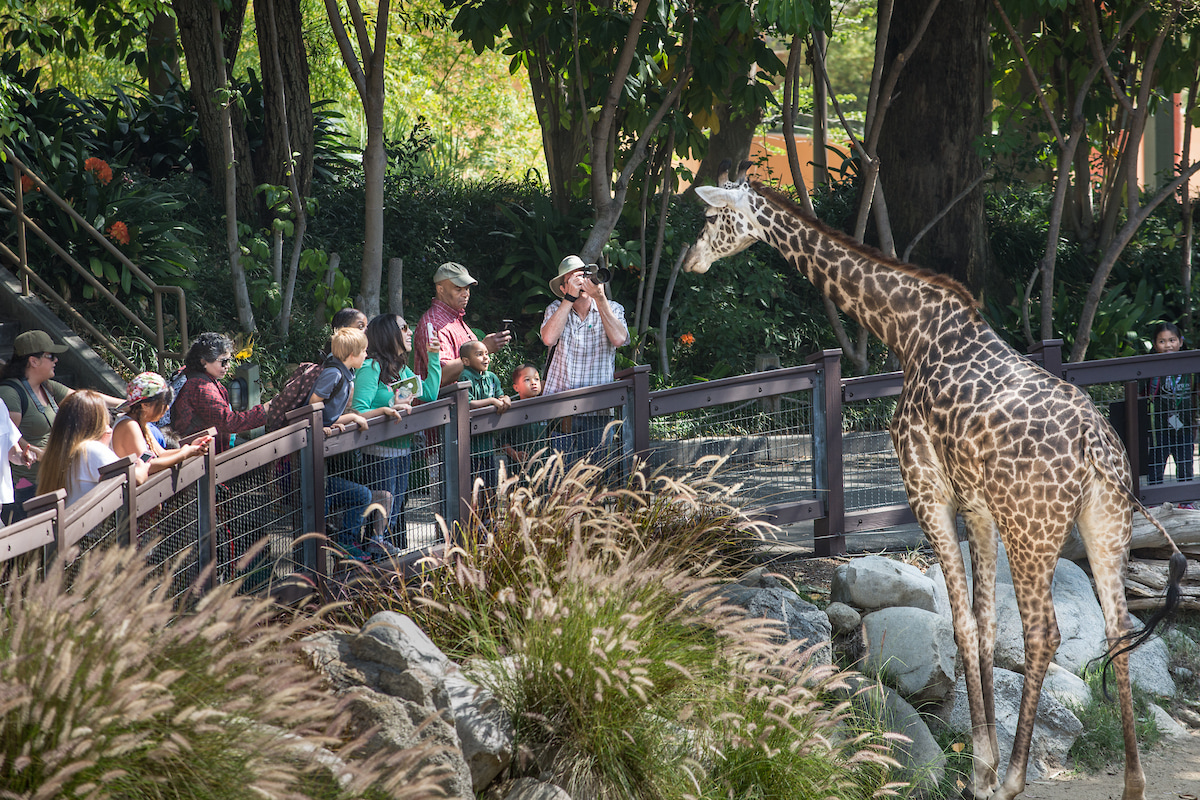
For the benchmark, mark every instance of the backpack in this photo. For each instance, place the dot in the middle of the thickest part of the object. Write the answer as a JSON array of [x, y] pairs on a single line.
[[296, 392], [16, 384], [176, 383]]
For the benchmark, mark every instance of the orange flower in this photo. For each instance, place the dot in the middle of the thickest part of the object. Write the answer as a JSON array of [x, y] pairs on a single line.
[[118, 233], [27, 184], [101, 169], [687, 340]]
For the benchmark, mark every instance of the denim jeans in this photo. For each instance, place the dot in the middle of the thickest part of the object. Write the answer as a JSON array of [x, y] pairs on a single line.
[[15, 511], [354, 498], [390, 474]]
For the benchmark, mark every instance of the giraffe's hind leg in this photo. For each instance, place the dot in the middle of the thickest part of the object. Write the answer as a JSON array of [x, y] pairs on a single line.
[[1105, 530], [1032, 560], [982, 536]]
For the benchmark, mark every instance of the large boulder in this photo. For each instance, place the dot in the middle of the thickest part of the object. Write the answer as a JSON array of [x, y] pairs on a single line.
[[922, 761], [800, 620], [403, 684], [1054, 731], [911, 649], [874, 582], [1080, 624]]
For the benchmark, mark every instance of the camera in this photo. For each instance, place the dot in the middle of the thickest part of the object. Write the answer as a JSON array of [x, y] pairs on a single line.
[[597, 274]]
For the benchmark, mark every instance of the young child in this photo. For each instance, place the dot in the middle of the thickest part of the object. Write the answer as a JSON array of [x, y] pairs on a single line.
[[147, 398], [485, 391], [334, 387], [1172, 413], [522, 441]]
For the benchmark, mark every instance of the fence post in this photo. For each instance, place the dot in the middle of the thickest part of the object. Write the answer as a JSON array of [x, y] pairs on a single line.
[[206, 516], [456, 458], [312, 482], [636, 441], [829, 531], [1051, 353]]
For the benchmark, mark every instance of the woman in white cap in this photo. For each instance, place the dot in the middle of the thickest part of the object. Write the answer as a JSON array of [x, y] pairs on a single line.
[[28, 389], [147, 398]]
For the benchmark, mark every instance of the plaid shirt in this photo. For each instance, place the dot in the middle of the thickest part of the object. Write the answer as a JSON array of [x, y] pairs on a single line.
[[204, 403], [451, 331], [585, 356]]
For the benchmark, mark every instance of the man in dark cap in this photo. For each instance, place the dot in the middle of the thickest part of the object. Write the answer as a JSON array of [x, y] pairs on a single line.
[[452, 285]]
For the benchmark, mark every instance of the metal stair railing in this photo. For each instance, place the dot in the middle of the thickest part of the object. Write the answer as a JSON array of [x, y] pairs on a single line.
[[27, 275]]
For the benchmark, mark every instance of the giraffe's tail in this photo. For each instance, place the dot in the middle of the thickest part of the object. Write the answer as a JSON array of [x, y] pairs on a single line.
[[1101, 450]]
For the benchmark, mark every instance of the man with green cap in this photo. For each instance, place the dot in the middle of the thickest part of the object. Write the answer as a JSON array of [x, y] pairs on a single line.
[[586, 328], [452, 285]]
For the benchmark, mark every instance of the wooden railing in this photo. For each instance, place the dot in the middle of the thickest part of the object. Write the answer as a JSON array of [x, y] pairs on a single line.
[[28, 276], [784, 434]]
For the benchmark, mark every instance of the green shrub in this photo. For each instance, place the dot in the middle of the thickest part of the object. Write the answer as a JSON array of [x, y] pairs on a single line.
[[1102, 739]]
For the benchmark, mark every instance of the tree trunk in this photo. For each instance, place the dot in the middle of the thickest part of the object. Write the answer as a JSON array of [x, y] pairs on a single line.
[[195, 36], [927, 148], [288, 112], [564, 137], [163, 54]]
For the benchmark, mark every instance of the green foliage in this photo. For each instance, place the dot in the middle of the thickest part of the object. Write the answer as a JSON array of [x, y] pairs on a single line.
[[112, 691], [1102, 740]]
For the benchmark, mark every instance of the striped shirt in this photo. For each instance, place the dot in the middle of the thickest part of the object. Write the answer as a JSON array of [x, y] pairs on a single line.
[[584, 355], [451, 331]]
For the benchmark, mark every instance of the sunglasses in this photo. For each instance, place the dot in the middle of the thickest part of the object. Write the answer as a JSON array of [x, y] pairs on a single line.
[[224, 362], [52, 356]]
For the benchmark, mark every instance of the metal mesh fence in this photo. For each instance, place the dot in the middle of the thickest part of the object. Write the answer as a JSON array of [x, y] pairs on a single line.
[[423, 500], [172, 531], [1166, 416], [766, 443], [870, 469], [264, 503]]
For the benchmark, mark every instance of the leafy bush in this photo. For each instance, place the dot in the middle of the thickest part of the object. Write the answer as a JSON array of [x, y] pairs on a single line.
[[1102, 739], [110, 691]]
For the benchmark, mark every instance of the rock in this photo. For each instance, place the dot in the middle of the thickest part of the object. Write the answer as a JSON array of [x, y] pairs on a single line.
[[921, 760], [1054, 731], [401, 725], [1189, 717], [873, 582], [1150, 668], [913, 650], [1166, 724], [802, 621], [530, 789], [1080, 624], [485, 731], [759, 578], [394, 640], [843, 618], [1066, 687]]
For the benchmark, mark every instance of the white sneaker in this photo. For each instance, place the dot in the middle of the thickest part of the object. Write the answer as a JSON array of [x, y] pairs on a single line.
[[380, 549]]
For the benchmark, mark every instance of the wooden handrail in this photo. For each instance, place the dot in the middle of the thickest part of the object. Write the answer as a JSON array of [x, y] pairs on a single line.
[[26, 273]]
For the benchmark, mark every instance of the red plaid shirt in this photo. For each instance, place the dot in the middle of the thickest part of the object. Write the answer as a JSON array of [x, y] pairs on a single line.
[[204, 403], [450, 329]]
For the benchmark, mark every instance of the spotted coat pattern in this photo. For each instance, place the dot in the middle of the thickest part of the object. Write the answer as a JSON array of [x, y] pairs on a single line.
[[980, 431]]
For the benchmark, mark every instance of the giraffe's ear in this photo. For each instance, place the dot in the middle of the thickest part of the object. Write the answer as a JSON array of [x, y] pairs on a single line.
[[715, 196], [743, 168]]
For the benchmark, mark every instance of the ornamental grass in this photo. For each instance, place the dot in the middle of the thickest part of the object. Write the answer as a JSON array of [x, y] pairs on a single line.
[[596, 618], [109, 689]]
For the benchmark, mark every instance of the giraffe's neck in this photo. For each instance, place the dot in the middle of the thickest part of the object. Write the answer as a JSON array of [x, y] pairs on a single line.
[[908, 308]]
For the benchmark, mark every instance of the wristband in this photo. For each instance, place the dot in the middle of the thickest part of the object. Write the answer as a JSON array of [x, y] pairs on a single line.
[[570, 297]]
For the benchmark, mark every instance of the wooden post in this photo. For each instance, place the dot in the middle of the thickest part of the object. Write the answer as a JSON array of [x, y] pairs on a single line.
[[829, 531]]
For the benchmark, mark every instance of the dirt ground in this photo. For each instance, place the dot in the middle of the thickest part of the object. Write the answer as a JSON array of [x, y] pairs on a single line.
[[1172, 769]]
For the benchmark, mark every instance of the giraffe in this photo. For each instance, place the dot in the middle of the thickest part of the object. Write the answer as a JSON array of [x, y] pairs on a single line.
[[980, 431]]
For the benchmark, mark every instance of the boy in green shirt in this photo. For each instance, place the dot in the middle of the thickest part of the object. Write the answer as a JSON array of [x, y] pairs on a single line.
[[485, 391]]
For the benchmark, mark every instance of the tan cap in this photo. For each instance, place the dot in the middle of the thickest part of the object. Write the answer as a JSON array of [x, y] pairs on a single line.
[[567, 265], [453, 271], [31, 342]]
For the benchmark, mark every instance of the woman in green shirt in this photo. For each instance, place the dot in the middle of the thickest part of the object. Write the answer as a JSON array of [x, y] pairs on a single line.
[[378, 383]]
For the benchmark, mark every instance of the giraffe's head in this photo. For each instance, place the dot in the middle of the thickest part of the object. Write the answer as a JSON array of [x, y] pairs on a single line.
[[730, 224]]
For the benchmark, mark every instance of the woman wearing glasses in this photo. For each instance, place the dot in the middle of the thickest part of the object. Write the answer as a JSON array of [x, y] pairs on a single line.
[[32, 396], [203, 402]]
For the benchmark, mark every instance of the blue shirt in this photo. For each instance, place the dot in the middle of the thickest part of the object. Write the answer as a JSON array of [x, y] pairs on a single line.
[[333, 386]]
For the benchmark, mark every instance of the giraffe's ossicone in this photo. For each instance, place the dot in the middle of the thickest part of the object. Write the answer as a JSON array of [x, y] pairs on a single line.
[[980, 431]]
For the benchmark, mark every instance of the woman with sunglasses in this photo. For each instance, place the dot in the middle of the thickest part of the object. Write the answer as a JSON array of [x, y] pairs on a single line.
[[378, 383], [203, 402], [32, 396]]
